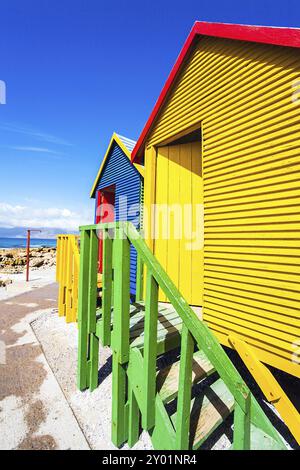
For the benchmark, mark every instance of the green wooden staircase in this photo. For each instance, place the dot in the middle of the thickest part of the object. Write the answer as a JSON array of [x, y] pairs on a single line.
[[171, 377]]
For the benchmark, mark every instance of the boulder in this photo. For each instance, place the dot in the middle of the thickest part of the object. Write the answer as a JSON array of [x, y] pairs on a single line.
[[37, 263]]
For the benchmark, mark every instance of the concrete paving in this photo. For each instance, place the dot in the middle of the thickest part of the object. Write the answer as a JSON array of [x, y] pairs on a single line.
[[34, 413]]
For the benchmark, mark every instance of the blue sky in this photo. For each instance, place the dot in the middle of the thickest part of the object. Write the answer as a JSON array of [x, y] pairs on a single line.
[[75, 71]]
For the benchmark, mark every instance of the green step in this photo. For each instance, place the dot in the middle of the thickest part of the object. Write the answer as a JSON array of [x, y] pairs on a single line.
[[262, 441], [208, 411], [167, 379], [168, 329]]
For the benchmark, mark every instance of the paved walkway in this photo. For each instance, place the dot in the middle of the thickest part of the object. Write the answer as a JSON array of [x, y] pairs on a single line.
[[34, 413]]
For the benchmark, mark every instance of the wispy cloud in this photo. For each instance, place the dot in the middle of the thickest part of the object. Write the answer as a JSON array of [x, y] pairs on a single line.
[[41, 136], [47, 219], [24, 148]]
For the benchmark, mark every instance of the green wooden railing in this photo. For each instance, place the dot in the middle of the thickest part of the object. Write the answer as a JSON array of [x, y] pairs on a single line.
[[139, 391]]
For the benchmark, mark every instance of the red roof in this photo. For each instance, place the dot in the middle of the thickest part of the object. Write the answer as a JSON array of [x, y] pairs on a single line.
[[262, 34]]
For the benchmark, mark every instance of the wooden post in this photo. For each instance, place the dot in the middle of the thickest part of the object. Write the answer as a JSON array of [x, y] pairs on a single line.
[[105, 330], [27, 255], [120, 335], [82, 367], [184, 391], [150, 351], [133, 419], [241, 425]]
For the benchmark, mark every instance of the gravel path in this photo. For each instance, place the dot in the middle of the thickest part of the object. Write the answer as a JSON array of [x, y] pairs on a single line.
[[34, 413], [92, 410]]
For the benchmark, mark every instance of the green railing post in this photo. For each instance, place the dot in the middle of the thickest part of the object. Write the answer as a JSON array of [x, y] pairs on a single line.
[[133, 418], [150, 352], [124, 408], [82, 368], [242, 425], [92, 306], [119, 427], [105, 331], [184, 390], [139, 278], [120, 334], [92, 286]]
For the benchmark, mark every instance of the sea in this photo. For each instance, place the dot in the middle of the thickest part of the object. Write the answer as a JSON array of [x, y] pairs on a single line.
[[21, 242]]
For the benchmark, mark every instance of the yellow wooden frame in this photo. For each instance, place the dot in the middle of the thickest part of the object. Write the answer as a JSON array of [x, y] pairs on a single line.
[[269, 385], [115, 139]]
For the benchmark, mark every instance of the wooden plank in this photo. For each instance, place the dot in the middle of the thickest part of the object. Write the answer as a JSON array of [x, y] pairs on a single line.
[[161, 226], [150, 344], [185, 253], [269, 386], [120, 335], [139, 279], [197, 225], [94, 361], [92, 282], [165, 344], [168, 378], [68, 267], [105, 331], [58, 257], [241, 427], [82, 378], [133, 418], [164, 323], [163, 434], [62, 288], [175, 221], [208, 411], [118, 430], [262, 441], [75, 282], [184, 390], [149, 194], [203, 336]]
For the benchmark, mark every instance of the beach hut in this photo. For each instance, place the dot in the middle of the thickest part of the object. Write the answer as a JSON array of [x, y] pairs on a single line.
[[118, 190], [223, 141]]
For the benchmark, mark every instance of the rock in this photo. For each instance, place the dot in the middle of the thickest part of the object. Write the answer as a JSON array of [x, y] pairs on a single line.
[[37, 263], [5, 282]]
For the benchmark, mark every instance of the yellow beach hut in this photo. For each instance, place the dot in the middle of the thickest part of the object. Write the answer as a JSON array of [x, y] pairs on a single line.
[[225, 134]]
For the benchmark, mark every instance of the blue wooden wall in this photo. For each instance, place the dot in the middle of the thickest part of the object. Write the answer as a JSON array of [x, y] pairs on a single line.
[[120, 172]]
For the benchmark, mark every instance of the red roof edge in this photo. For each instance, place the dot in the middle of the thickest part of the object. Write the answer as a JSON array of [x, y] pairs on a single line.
[[289, 37]]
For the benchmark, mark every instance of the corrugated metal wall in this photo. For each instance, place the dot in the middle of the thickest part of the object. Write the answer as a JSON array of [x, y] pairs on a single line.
[[119, 171], [242, 94]]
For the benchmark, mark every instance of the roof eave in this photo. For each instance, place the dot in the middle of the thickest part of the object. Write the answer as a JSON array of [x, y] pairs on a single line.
[[289, 37], [115, 138]]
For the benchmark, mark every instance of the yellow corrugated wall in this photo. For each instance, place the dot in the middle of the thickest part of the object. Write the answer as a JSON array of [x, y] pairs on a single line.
[[241, 93]]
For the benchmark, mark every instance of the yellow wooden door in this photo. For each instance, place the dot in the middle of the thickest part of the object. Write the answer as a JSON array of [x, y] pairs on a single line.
[[178, 218]]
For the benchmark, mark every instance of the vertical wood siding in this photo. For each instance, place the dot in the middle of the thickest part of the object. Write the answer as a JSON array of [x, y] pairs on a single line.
[[241, 93], [179, 185], [119, 171]]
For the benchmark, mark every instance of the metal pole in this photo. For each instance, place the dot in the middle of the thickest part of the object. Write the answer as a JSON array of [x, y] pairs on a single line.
[[28, 247], [27, 252]]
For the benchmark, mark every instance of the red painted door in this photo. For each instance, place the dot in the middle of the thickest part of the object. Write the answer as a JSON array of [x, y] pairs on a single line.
[[105, 213]]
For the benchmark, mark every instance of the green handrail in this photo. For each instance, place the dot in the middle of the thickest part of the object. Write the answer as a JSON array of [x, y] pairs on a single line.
[[246, 410]]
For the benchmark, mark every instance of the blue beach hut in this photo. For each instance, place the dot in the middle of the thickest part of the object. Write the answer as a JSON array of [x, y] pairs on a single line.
[[118, 192]]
